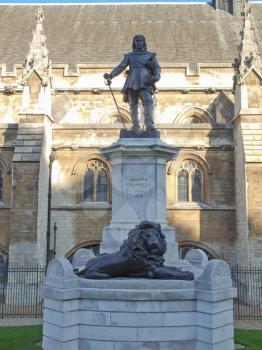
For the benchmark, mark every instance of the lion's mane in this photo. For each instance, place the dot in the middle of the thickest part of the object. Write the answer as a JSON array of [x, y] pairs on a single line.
[[133, 247]]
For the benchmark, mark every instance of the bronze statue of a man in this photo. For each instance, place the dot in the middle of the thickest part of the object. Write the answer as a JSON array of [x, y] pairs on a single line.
[[144, 72]]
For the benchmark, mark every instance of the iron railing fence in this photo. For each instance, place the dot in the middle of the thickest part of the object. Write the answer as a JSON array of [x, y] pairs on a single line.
[[248, 281], [19, 291], [20, 297]]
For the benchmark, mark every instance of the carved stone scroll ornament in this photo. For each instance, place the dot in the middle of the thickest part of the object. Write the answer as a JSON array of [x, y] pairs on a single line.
[[60, 269]]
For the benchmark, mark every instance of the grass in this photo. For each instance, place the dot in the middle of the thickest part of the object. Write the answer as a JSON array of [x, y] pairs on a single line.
[[25, 337], [20, 338], [251, 339]]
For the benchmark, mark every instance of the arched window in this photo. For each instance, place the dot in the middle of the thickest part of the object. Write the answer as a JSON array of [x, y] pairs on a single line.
[[190, 182], [96, 182], [116, 119], [185, 247], [194, 115], [112, 116], [194, 119], [196, 184], [182, 186], [1, 185], [85, 251]]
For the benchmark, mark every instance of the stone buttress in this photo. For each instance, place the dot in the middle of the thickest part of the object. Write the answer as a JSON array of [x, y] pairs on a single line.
[[31, 156], [248, 152]]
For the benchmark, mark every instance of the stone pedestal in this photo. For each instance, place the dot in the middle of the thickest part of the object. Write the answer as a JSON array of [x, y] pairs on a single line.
[[138, 190], [132, 314]]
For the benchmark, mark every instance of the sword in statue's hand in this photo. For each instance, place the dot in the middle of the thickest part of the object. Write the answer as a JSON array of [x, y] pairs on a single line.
[[108, 81]]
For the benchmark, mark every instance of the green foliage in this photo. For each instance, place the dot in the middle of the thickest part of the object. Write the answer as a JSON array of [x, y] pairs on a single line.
[[18, 338], [251, 339]]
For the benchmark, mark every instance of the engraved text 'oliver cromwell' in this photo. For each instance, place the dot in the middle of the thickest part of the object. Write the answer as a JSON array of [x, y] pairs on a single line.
[[137, 186]]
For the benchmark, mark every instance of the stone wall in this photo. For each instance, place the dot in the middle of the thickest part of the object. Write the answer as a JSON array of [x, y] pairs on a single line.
[[5, 226], [23, 232], [254, 174], [253, 82], [212, 147], [75, 143], [85, 120], [78, 227], [213, 228], [241, 197], [26, 189], [170, 107], [248, 160], [6, 155], [9, 104], [43, 187]]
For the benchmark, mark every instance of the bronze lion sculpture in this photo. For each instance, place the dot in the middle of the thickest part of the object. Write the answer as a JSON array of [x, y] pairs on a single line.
[[141, 255]]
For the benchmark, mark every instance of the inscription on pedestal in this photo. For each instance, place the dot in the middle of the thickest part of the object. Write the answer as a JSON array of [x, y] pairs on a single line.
[[136, 187]]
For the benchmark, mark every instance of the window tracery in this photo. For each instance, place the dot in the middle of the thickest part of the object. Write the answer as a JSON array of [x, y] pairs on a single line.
[[116, 119], [96, 182], [194, 115], [185, 247], [112, 116], [190, 178], [194, 119]]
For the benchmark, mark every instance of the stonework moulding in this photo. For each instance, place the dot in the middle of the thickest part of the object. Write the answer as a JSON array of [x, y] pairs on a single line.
[[3, 249], [200, 114], [108, 117], [4, 165], [37, 59], [81, 163], [174, 165], [82, 245], [199, 245]]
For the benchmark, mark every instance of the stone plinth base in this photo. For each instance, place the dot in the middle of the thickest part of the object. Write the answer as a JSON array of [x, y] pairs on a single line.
[[138, 188], [127, 314]]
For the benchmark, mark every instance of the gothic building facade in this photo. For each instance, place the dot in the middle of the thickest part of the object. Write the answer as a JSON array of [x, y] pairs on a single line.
[[53, 101]]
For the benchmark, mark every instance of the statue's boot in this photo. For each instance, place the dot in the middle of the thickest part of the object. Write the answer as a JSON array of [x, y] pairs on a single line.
[[149, 116], [134, 116]]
